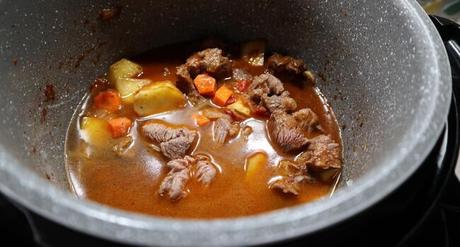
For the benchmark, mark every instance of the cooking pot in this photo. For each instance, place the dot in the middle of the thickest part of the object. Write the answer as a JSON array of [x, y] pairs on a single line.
[[382, 66]]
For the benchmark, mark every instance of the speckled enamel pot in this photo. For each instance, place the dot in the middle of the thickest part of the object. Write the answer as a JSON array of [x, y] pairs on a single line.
[[384, 70]]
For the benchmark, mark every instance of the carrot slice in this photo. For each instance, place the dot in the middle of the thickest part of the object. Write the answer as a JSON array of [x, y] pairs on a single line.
[[108, 100], [200, 120], [119, 126], [222, 95], [205, 84]]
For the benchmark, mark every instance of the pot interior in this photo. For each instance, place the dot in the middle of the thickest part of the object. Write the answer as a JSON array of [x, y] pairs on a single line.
[[369, 57]]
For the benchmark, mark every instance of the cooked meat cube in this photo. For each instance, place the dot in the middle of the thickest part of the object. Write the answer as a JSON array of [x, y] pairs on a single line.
[[223, 126], [322, 154], [184, 80], [291, 168], [287, 131], [307, 118], [174, 142], [209, 61], [185, 84], [266, 84], [176, 147], [289, 177], [180, 164], [173, 185], [223, 129], [286, 185], [267, 91], [241, 75], [205, 170], [285, 64], [162, 133], [283, 102]]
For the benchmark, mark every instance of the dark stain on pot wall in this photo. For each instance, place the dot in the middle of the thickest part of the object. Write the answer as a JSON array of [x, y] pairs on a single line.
[[86, 53], [49, 92], [44, 114], [107, 14], [71, 63]]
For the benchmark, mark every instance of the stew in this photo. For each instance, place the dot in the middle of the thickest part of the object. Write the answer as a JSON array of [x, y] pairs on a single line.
[[204, 130]]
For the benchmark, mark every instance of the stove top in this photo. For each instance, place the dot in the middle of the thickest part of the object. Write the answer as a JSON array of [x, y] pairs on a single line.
[[424, 211]]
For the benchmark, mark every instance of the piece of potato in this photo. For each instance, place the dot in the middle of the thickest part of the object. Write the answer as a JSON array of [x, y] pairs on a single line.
[[123, 69], [253, 52], [255, 163], [95, 132], [239, 107], [127, 87], [121, 75], [158, 97]]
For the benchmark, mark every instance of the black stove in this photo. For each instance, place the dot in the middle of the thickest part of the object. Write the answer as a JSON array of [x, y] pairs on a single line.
[[424, 211]]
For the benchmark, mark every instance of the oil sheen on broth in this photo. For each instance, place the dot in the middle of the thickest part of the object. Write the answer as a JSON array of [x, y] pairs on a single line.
[[131, 181]]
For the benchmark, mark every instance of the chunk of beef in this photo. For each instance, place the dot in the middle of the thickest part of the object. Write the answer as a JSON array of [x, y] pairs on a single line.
[[162, 133], [174, 142], [223, 126], [322, 154], [289, 177], [241, 75], [282, 102], [287, 185], [184, 79], [266, 84], [173, 185], [268, 92], [223, 129], [209, 61], [286, 65], [205, 170], [306, 118], [176, 147], [185, 84], [286, 131]]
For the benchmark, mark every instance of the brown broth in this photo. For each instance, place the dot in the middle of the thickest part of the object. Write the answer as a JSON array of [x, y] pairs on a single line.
[[131, 183]]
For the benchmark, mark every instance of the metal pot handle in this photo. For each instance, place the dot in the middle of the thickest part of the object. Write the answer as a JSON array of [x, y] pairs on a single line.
[[450, 34]]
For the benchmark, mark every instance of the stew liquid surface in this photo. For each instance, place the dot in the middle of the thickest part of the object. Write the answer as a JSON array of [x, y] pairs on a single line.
[[131, 181]]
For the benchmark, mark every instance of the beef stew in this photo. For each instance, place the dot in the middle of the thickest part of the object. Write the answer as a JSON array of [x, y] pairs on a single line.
[[233, 131]]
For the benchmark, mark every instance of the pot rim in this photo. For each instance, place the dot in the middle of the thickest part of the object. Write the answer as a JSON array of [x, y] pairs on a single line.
[[102, 221]]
